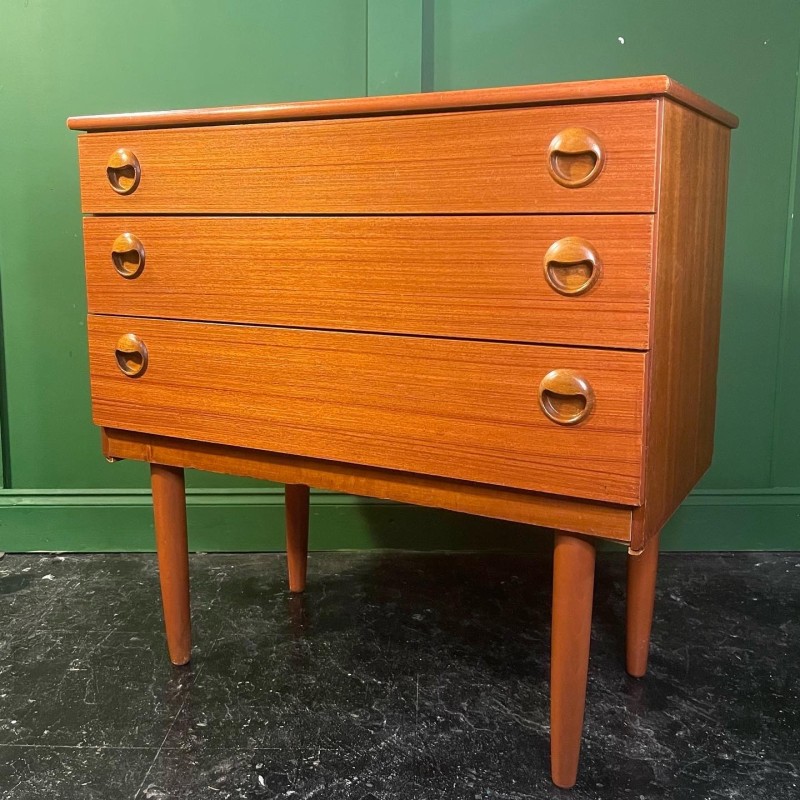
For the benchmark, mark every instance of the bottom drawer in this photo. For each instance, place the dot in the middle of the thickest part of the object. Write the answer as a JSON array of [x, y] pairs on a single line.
[[460, 409]]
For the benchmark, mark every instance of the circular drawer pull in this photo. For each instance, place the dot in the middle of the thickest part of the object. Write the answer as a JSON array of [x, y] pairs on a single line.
[[127, 253], [565, 396], [572, 265], [123, 171], [575, 157], [131, 355]]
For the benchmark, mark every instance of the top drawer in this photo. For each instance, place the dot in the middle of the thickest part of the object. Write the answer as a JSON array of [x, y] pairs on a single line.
[[576, 158]]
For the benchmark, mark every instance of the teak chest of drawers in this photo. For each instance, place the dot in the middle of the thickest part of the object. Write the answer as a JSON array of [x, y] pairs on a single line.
[[501, 301]]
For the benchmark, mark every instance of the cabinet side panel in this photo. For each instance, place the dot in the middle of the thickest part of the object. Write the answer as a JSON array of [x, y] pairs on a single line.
[[690, 241]]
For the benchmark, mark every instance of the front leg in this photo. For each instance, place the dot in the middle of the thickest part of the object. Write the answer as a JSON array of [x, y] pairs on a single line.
[[573, 588], [169, 511]]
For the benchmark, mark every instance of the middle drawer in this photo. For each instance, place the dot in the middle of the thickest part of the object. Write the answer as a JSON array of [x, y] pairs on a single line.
[[582, 279]]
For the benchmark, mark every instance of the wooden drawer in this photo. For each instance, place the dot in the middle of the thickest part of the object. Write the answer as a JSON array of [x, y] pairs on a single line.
[[461, 162], [473, 277], [459, 409]]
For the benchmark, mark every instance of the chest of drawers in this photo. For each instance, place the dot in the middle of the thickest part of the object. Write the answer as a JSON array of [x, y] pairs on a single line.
[[500, 301]]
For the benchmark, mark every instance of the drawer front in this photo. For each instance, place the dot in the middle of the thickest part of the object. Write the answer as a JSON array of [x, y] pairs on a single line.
[[504, 278], [505, 161], [461, 409]]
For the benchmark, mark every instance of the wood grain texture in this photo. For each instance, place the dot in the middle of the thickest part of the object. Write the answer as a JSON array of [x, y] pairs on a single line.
[[573, 586], [498, 97], [169, 512], [690, 240], [603, 520], [475, 162], [461, 409], [473, 277]]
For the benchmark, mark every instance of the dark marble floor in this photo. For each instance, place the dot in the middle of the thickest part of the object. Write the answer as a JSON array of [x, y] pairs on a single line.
[[395, 676]]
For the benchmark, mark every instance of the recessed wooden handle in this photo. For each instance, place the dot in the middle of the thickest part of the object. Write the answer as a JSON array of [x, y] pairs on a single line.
[[572, 266], [575, 157], [123, 171], [565, 396], [131, 355], [127, 253]]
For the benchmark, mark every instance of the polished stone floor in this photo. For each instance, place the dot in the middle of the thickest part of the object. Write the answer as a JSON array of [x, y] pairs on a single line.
[[395, 676]]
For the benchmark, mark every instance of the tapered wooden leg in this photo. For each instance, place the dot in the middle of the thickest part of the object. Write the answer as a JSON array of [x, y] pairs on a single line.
[[169, 510], [297, 535], [642, 571], [573, 587]]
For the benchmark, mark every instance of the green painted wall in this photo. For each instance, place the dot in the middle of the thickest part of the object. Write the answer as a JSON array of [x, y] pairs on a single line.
[[58, 59]]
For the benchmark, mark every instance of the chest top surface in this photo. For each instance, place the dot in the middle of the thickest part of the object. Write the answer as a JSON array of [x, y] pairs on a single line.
[[429, 102]]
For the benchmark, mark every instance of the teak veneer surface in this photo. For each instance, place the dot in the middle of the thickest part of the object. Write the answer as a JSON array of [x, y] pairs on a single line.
[[690, 243], [460, 409], [567, 513], [460, 162], [473, 277], [433, 102]]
